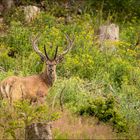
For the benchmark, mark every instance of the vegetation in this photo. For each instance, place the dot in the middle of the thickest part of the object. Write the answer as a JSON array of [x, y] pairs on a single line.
[[14, 119], [91, 82]]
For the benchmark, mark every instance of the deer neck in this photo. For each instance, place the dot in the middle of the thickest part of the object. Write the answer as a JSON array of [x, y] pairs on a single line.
[[48, 78]]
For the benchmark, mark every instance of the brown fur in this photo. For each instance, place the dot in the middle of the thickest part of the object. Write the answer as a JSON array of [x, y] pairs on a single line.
[[34, 88]]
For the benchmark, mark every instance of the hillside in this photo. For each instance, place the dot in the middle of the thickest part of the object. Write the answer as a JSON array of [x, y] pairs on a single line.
[[97, 91]]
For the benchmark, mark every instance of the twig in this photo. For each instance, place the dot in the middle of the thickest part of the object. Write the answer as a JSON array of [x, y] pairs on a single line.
[[61, 97]]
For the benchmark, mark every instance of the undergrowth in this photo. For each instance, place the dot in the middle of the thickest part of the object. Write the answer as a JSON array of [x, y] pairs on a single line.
[[91, 81]]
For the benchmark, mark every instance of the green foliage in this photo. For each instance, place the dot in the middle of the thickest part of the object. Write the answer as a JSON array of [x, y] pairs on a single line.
[[6, 61], [60, 135], [18, 38], [106, 110], [78, 97], [16, 14], [14, 119], [119, 71], [126, 9]]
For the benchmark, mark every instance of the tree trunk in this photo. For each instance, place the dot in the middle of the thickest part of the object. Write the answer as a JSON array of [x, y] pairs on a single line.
[[38, 131]]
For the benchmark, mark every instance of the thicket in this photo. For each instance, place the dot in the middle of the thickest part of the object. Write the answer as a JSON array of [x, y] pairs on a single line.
[[104, 84]]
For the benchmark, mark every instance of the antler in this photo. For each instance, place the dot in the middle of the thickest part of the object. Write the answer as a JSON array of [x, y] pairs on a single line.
[[70, 45], [35, 47], [58, 58], [55, 53], [46, 53]]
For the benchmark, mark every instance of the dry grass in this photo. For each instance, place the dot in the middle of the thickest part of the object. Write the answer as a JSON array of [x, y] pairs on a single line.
[[73, 127]]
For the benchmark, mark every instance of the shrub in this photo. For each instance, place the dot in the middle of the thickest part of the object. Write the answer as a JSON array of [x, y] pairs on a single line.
[[14, 119], [80, 99], [106, 110]]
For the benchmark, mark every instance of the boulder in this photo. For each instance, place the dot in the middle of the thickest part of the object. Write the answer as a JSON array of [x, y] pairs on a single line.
[[31, 13]]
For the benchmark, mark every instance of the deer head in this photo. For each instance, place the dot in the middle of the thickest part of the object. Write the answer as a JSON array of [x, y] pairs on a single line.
[[50, 72]]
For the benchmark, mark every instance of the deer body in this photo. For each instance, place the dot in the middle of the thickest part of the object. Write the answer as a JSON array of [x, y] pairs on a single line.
[[34, 87]]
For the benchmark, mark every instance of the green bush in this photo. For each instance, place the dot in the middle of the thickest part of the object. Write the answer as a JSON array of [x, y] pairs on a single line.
[[80, 99], [106, 110], [119, 10], [119, 71]]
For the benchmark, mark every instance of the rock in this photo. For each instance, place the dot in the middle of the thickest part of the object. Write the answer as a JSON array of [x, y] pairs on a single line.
[[30, 13], [41, 131]]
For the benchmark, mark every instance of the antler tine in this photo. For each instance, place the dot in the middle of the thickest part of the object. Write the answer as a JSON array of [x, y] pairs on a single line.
[[46, 53], [70, 45], [69, 40], [55, 53], [35, 47]]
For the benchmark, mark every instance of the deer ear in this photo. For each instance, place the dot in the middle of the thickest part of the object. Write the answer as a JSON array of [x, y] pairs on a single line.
[[59, 59]]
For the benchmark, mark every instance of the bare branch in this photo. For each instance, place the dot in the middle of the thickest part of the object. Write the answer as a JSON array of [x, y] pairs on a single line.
[[61, 98]]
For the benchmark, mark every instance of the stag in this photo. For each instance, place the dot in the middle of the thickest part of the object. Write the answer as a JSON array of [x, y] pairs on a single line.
[[35, 87]]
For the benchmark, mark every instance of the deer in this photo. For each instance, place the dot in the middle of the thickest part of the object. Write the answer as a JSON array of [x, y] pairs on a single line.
[[34, 87]]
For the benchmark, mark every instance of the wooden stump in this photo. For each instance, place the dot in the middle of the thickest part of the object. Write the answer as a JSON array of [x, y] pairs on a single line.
[[38, 131], [108, 33], [30, 13]]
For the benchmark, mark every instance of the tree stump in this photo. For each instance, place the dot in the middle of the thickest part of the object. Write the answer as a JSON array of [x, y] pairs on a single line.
[[31, 13], [108, 33], [38, 131]]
